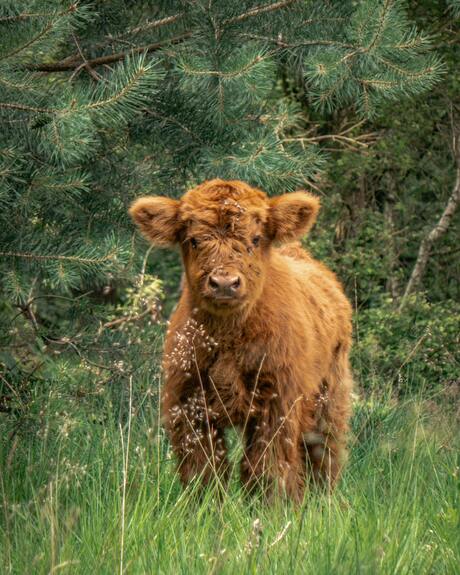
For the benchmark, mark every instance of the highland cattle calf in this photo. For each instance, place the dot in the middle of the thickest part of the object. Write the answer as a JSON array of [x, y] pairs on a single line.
[[258, 342]]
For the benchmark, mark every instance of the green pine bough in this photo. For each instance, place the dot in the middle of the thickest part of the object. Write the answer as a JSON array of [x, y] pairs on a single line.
[[78, 89]]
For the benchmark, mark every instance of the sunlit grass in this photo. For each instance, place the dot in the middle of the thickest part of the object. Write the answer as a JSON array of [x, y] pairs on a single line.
[[396, 509]]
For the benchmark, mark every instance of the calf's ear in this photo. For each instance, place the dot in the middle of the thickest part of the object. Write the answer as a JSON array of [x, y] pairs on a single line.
[[157, 218], [292, 215]]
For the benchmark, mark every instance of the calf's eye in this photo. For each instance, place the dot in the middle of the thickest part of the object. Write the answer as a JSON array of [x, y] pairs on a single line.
[[193, 242], [256, 240]]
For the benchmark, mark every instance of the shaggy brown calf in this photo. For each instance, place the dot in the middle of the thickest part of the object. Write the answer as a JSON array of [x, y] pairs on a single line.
[[259, 340]]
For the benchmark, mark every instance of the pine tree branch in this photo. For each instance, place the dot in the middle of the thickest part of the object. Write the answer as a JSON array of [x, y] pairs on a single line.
[[75, 61], [71, 9], [383, 17], [228, 75], [122, 37], [404, 71], [15, 86], [176, 123], [76, 259], [411, 45], [327, 19], [259, 10], [119, 95], [338, 83], [380, 83], [439, 230], [25, 108], [147, 26], [280, 42], [25, 16]]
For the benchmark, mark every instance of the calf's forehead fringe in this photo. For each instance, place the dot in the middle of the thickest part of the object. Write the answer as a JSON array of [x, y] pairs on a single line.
[[218, 201]]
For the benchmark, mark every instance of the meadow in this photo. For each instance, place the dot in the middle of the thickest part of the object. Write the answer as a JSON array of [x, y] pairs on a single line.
[[104, 498]]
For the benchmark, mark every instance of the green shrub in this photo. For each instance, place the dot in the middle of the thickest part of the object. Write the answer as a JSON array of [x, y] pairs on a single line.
[[416, 348]]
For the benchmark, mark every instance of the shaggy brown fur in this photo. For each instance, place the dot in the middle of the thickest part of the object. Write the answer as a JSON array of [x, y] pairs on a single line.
[[259, 340]]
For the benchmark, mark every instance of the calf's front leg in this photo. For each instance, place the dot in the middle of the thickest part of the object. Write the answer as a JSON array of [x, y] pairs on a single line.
[[272, 460], [197, 439]]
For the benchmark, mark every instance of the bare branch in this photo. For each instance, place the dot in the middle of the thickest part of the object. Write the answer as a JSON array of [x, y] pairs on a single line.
[[343, 137], [85, 64]]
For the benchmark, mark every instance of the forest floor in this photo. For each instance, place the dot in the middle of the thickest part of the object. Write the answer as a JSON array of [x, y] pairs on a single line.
[[107, 500]]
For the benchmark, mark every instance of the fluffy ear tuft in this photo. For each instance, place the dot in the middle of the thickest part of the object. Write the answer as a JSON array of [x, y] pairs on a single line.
[[292, 215], [157, 218]]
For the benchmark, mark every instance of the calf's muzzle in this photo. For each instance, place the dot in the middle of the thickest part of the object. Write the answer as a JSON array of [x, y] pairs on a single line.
[[224, 286]]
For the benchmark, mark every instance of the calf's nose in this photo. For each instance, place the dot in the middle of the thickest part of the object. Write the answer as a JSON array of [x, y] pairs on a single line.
[[224, 285]]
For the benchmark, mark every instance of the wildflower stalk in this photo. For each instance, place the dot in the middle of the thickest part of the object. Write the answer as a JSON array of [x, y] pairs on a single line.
[[125, 475]]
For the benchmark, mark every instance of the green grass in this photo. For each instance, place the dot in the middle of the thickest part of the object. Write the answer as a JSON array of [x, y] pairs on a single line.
[[395, 511]]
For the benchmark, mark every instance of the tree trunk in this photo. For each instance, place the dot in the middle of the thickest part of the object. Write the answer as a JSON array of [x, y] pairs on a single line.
[[439, 230]]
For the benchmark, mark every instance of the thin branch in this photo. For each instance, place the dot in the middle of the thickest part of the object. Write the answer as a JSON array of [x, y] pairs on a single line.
[[85, 64], [75, 61], [68, 342], [130, 318], [446, 251], [405, 71], [360, 141], [144, 27], [27, 311], [144, 266], [352, 142]]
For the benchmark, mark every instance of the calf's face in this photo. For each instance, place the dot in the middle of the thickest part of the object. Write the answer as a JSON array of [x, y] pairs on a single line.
[[225, 230]]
